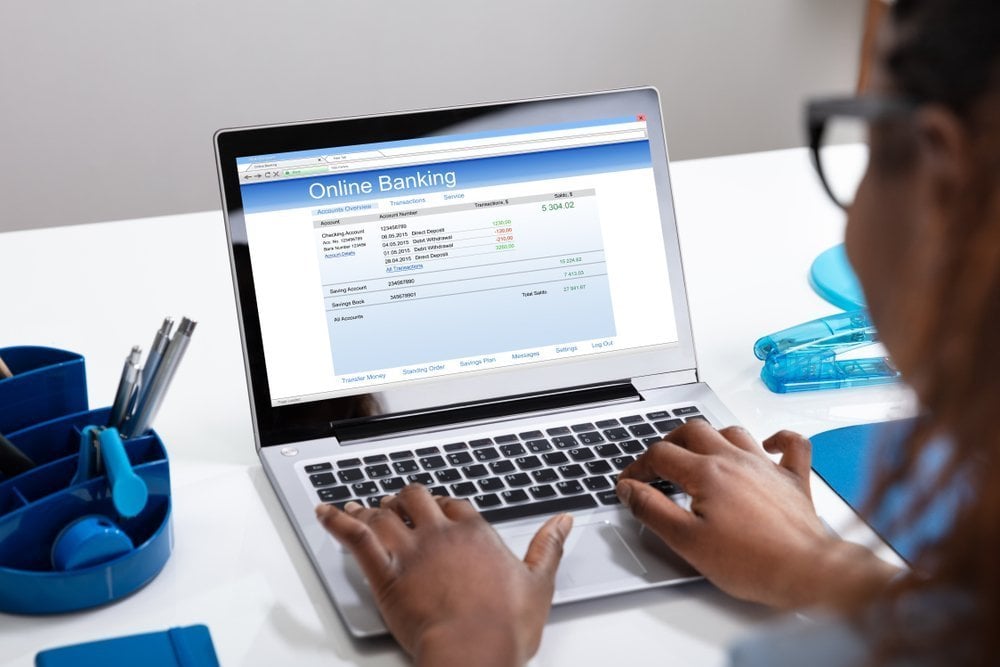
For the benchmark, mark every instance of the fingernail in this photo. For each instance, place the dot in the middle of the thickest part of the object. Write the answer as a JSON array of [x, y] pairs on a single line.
[[624, 492], [565, 524], [352, 507], [322, 511]]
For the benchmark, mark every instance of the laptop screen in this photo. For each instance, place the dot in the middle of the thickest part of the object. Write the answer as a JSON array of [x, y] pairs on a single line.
[[472, 246]]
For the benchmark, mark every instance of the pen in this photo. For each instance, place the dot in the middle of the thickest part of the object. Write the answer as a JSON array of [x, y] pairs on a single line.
[[156, 350], [151, 399], [4, 370], [12, 460], [126, 387]]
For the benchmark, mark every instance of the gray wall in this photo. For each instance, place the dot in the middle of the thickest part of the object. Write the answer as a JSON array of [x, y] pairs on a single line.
[[108, 106]]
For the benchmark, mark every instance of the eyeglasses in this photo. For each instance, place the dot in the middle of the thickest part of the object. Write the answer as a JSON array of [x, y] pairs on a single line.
[[838, 130]]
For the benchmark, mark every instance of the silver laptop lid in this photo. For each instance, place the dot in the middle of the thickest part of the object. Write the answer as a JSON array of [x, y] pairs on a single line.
[[388, 266]]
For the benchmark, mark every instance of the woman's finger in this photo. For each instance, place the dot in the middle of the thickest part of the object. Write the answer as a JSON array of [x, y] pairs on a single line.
[[360, 539], [417, 504], [664, 460], [741, 437], [795, 450]]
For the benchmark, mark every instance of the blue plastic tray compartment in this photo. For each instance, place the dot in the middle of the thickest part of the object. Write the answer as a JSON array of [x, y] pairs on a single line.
[[37, 505], [47, 383]]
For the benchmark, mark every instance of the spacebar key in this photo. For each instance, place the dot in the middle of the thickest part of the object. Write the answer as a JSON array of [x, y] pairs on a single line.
[[567, 504]]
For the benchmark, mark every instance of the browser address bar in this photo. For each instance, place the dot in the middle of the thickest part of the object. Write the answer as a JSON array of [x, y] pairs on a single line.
[[397, 157]]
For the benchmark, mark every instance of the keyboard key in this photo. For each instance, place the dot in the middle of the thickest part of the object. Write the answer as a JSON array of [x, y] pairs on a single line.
[[350, 475], [464, 489], [597, 467], [505, 439], [608, 498], [632, 447], [542, 492], [545, 475], [569, 487], [539, 446], [580, 428], [380, 470], [340, 503], [364, 488], [557, 430], [459, 458], [455, 447], [399, 456], [616, 434], [487, 500], [502, 467], [374, 501], [474, 471], [448, 475], [491, 484], [531, 435], [570, 471], [688, 410], [349, 463], [421, 478], [665, 487], [555, 458], [528, 462], [439, 491], [696, 418], [632, 419], [580, 454], [565, 442], [659, 414], [564, 504], [517, 479], [393, 484], [406, 467], [319, 467], [375, 458], [622, 462], [487, 454], [649, 441], [432, 462], [512, 450], [591, 438], [334, 494], [606, 423], [597, 483], [515, 496], [607, 451], [668, 425], [641, 430], [481, 442], [427, 451], [326, 479]]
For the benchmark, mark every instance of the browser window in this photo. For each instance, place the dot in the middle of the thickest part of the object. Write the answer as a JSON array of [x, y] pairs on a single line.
[[411, 260]]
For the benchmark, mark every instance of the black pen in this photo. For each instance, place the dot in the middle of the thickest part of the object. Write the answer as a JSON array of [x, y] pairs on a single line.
[[12, 460]]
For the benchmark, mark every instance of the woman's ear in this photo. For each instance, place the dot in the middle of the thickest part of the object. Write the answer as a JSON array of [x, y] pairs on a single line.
[[945, 154]]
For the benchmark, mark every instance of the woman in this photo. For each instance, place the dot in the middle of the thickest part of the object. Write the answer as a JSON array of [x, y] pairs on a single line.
[[924, 238]]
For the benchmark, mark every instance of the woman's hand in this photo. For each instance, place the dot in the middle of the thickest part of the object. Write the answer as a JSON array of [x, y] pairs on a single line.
[[448, 588], [752, 529]]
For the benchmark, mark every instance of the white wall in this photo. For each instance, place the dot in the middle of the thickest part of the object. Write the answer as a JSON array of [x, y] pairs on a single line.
[[107, 107]]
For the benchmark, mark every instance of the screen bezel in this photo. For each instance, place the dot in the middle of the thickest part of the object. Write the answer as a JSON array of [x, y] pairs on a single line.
[[284, 424]]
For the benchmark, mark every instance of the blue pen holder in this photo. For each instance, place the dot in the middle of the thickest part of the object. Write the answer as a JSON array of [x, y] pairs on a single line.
[[47, 383], [38, 506]]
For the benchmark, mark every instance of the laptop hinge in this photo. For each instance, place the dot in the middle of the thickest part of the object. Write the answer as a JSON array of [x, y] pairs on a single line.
[[399, 423]]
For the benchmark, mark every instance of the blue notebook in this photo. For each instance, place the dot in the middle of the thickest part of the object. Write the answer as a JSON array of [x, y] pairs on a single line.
[[847, 459], [177, 647]]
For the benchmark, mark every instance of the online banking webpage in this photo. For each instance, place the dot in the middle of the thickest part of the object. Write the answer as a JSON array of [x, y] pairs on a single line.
[[406, 261]]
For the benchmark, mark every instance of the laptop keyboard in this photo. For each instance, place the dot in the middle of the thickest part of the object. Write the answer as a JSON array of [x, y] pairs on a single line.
[[509, 476]]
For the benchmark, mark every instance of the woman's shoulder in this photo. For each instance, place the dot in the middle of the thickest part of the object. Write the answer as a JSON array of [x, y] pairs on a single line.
[[915, 625]]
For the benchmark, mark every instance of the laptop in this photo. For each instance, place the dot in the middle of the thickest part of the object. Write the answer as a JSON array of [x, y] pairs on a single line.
[[488, 300]]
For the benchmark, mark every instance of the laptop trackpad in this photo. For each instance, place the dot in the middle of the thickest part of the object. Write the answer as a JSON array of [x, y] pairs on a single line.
[[594, 554]]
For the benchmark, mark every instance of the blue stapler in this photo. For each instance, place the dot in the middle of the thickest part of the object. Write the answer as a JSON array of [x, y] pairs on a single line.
[[804, 357]]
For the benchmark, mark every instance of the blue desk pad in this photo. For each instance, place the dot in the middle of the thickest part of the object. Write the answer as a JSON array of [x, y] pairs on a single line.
[[847, 459]]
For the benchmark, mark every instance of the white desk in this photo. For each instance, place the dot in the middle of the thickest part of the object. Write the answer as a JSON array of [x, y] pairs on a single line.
[[750, 226]]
